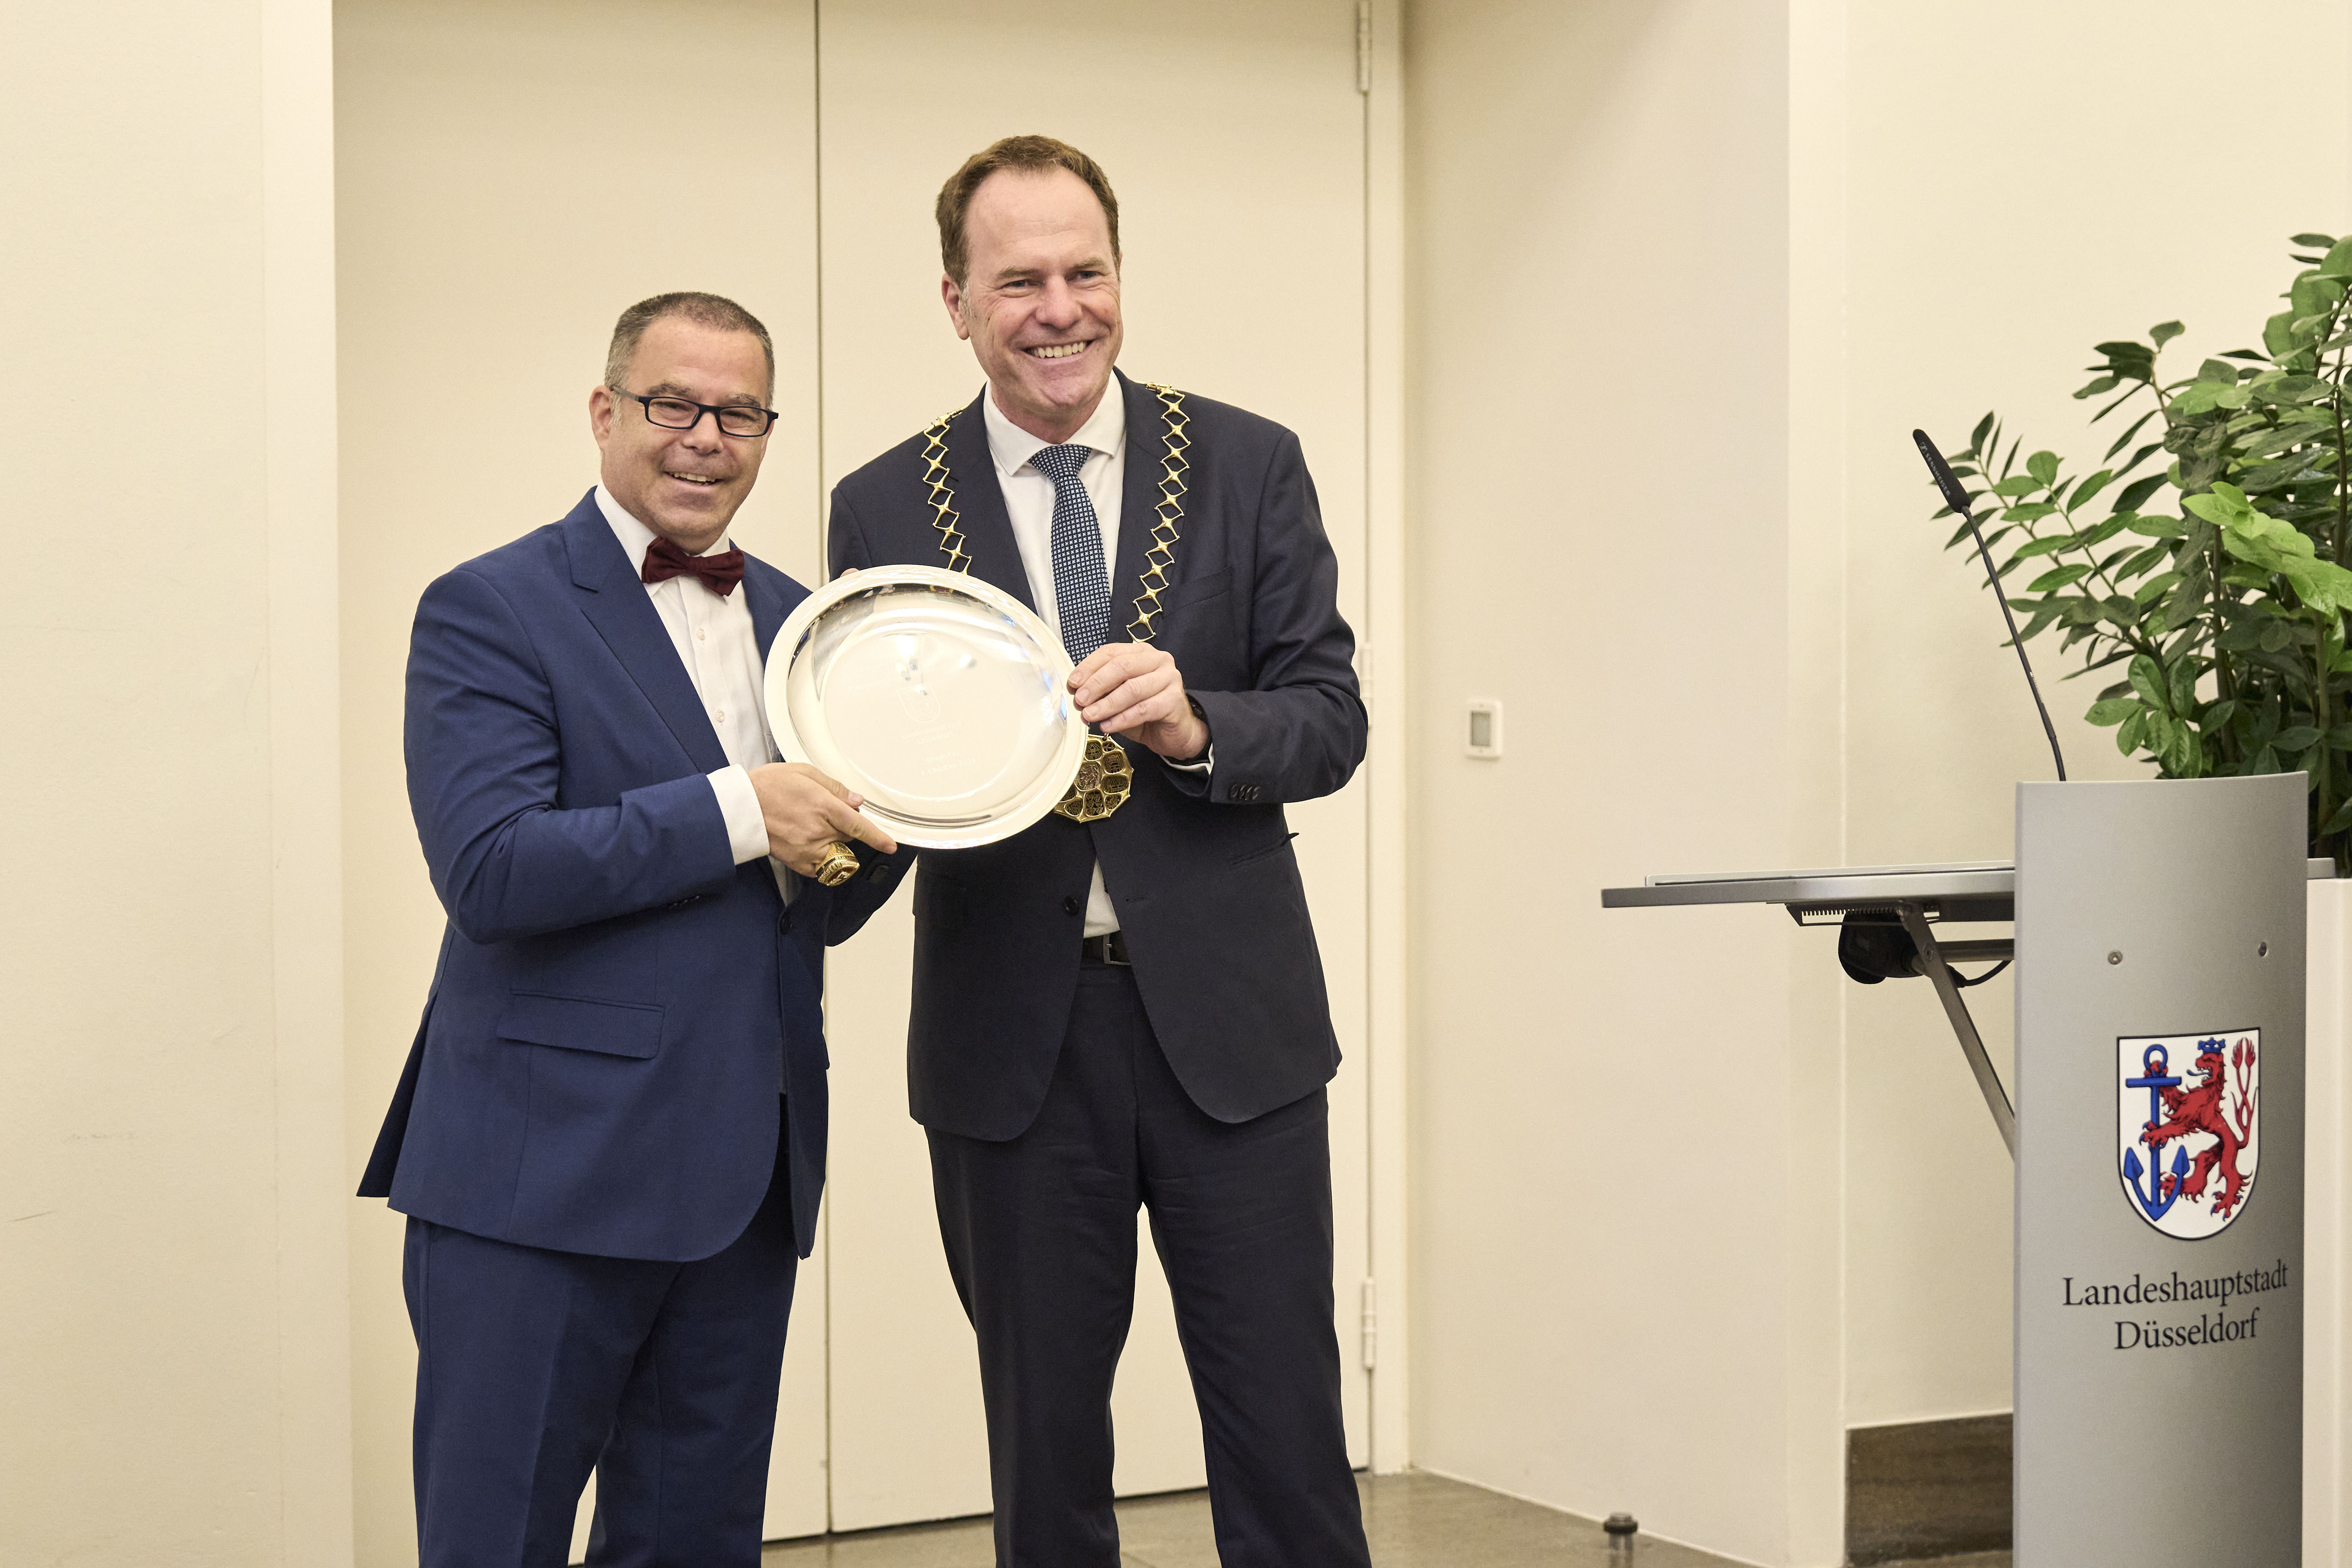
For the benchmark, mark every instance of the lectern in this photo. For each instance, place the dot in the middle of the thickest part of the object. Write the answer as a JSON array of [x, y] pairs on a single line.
[[2158, 1131]]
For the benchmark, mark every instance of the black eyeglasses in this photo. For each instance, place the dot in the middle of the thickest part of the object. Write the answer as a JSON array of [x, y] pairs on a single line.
[[685, 413]]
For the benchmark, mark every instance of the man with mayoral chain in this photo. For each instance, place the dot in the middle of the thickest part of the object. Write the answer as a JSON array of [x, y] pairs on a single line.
[[1122, 1006]]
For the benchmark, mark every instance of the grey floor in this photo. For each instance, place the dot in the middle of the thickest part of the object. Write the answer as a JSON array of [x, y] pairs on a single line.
[[1415, 1521]]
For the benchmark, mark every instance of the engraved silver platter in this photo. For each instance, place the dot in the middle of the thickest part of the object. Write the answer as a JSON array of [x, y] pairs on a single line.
[[940, 699]]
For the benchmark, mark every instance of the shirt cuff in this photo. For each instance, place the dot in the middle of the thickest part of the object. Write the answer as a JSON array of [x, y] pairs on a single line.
[[1201, 764], [738, 803]]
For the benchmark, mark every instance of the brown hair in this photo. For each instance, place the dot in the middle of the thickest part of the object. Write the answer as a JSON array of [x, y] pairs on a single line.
[[1027, 154], [713, 310]]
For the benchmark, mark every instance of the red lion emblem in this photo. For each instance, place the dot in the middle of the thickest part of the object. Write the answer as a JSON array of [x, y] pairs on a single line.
[[2206, 1109]]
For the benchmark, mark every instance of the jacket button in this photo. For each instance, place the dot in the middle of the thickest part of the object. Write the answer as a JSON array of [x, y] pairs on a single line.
[[785, 922], [1069, 906]]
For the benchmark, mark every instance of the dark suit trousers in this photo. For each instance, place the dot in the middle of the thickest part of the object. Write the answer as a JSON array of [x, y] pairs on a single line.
[[1040, 1233], [534, 1367]]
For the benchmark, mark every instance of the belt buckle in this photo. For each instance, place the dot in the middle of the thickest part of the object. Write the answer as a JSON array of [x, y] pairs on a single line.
[[1108, 948]]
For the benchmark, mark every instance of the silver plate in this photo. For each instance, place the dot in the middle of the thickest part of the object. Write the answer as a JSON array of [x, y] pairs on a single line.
[[942, 700]]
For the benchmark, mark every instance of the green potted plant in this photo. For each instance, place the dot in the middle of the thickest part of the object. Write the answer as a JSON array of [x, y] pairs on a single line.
[[2217, 582]]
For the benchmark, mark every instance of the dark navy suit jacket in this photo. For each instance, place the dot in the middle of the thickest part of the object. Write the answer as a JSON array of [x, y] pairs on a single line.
[[1200, 870], [617, 1003]]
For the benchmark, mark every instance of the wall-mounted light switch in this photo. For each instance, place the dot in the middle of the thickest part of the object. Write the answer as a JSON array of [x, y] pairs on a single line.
[[1485, 736]]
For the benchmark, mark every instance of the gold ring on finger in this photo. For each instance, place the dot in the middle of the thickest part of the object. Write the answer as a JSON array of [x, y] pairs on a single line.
[[837, 865]]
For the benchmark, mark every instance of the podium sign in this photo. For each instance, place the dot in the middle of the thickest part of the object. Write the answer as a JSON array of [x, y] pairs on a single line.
[[2159, 1172]]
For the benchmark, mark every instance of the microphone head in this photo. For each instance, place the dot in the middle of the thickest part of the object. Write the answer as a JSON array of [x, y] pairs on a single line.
[[1946, 481]]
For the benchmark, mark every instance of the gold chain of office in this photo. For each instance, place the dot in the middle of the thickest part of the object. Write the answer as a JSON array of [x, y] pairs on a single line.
[[1105, 777]]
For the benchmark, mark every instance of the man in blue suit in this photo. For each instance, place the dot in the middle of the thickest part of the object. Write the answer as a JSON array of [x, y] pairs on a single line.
[[609, 1137], [1124, 1010]]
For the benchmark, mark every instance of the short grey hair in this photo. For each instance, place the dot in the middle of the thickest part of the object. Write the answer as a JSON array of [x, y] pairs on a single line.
[[713, 310]]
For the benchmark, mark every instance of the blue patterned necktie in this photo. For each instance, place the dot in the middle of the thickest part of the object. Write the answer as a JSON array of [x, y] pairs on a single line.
[[1081, 586]]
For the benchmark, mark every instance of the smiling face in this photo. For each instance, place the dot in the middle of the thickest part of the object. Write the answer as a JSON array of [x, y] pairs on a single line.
[[685, 485], [1039, 304]]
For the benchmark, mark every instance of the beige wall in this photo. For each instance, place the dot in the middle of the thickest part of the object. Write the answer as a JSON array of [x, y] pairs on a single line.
[[1736, 263], [1597, 406], [170, 1136]]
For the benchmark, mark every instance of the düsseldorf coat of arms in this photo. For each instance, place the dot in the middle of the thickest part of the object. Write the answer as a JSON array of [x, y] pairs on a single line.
[[2189, 1117]]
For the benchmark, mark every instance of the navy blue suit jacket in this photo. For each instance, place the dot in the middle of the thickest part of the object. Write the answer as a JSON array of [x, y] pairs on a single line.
[[617, 1003], [1200, 870]]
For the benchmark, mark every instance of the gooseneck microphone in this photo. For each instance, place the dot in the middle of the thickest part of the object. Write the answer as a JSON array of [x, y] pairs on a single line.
[[1958, 500]]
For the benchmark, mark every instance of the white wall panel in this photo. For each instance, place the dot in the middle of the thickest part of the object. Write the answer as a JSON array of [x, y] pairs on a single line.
[[171, 1332], [1609, 1190]]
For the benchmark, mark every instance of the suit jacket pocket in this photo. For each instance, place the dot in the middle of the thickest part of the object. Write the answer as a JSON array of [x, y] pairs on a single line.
[[939, 902], [582, 1024], [1207, 585], [1262, 851]]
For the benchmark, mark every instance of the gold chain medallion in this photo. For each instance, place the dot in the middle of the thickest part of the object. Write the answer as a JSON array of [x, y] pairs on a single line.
[[1106, 778], [1105, 781]]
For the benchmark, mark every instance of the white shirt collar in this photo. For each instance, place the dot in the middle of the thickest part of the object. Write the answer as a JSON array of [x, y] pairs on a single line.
[[635, 536], [1011, 445]]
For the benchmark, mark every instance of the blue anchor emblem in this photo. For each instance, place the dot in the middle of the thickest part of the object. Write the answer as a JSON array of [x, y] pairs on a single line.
[[2152, 1197]]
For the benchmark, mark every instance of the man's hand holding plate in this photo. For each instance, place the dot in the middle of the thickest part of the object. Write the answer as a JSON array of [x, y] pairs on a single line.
[[1135, 689], [811, 817]]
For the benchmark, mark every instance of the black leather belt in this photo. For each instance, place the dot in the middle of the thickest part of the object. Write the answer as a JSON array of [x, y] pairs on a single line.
[[1108, 948]]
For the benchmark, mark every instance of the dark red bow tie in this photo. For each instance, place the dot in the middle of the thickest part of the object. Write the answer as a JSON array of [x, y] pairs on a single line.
[[719, 573]]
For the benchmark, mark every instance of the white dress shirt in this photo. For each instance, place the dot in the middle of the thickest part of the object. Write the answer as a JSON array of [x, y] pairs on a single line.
[[720, 649], [1029, 505]]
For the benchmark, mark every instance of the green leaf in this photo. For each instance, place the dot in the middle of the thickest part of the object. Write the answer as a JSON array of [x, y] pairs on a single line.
[[2302, 738], [2340, 738], [2023, 485], [2113, 710], [2208, 395], [2181, 751], [2049, 582], [2165, 332], [2043, 466], [2278, 334], [2273, 544], [2124, 439], [2148, 680], [2182, 688], [2159, 527], [2313, 241], [2101, 532], [2340, 821], [2156, 587], [2050, 545], [2088, 487], [2315, 294], [2138, 490], [2135, 731], [2029, 511], [2216, 715]]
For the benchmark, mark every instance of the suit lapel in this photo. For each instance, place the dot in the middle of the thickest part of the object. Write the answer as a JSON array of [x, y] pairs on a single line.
[[980, 499], [1139, 491], [614, 599], [764, 591]]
